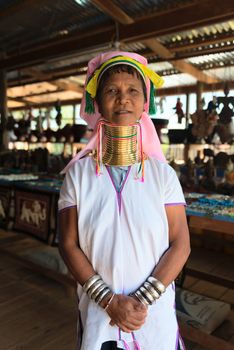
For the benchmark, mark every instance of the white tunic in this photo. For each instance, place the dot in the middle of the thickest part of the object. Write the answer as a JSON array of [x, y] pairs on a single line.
[[124, 235]]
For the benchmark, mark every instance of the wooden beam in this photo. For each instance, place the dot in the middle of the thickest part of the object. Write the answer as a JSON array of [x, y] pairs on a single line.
[[3, 111], [188, 68], [36, 74], [203, 52], [207, 13], [180, 90], [17, 7], [73, 70], [113, 11], [48, 104], [196, 15], [180, 65], [20, 99], [61, 84], [174, 91], [68, 85], [158, 48], [183, 46]]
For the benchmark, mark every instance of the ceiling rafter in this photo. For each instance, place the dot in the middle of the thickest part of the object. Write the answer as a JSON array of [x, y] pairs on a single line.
[[180, 65], [75, 69], [161, 92], [193, 16], [17, 7], [64, 84], [192, 89], [35, 94], [113, 11], [200, 42], [163, 52], [68, 85], [203, 52], [20, 99]]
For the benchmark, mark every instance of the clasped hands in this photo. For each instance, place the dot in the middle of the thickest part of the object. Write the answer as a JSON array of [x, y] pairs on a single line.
[[127, 313]]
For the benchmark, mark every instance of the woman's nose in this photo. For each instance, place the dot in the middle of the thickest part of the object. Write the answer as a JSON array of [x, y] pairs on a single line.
[[123, 96]]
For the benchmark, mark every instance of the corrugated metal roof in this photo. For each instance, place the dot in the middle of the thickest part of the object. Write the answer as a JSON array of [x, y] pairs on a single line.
[[209, 48], [198, 33], [212, 58], [160, 66], [224, 74], [52, 19], [146, 7], [178, 80]]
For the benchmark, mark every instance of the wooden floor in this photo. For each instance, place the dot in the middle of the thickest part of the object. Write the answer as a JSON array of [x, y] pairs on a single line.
[[36, 313]]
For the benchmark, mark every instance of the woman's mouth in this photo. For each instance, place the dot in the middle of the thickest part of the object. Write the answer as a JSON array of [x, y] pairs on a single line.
[[123, 111]]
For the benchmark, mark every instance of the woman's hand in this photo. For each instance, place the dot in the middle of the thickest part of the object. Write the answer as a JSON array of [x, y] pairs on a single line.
[[127, 313]]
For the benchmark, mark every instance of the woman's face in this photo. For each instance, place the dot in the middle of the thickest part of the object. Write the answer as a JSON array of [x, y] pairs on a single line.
[[122, 99]]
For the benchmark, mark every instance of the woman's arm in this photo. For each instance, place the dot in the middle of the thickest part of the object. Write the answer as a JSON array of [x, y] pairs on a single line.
[[75, 259], [173, 260], [124, 311]]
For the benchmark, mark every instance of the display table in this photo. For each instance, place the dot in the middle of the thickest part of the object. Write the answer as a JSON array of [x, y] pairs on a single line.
[[210, 212], [29, 203], [212, 206], [205, 223], [33, 203], [211, 224]]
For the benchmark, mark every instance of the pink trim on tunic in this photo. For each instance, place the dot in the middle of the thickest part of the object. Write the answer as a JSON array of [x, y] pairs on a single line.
[[118, 193], [168, 204]]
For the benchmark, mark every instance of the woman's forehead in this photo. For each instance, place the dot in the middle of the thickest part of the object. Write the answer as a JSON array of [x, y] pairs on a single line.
[[122, 77]]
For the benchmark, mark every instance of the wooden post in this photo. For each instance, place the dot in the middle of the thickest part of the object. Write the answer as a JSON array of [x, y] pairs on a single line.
[[3, 111], [74, 114], [187, 110], [199, 95]]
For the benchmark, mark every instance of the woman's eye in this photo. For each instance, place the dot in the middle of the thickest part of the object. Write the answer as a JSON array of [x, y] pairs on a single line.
[[134, 91], [112, 91]]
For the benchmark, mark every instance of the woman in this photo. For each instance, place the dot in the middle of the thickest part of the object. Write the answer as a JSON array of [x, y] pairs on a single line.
[[123, 226]]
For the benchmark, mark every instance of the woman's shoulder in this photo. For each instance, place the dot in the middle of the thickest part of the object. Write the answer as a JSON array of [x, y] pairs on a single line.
[[160, 164], [81, 163], [163, 168]]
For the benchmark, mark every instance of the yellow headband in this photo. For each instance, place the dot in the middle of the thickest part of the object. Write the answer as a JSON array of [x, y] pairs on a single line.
[[92, 84]]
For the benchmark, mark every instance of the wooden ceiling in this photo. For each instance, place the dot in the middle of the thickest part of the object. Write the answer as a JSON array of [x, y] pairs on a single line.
[[50, 42]]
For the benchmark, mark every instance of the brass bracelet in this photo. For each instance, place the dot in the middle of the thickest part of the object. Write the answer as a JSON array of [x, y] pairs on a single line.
[[109, 302]]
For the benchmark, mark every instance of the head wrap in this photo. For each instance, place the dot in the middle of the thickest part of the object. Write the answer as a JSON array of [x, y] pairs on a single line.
[[89, 109]]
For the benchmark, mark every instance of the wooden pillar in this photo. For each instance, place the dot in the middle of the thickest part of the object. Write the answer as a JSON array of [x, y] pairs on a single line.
[[199, 95], [187, 110], [186, 152], [3, 111], [74, 114]]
